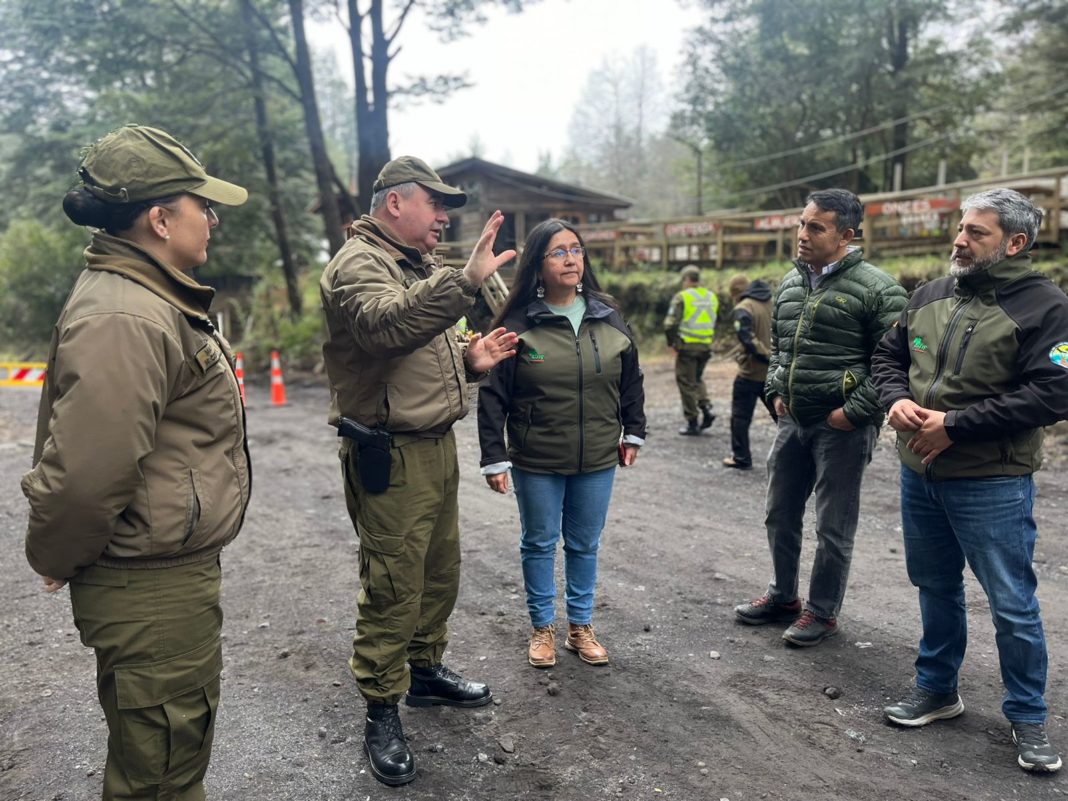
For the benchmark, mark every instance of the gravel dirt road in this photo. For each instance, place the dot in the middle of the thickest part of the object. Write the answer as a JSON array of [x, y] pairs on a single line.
[[692, 706]]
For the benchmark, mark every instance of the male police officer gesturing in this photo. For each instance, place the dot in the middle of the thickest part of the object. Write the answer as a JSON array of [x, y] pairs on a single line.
[[398, 381]]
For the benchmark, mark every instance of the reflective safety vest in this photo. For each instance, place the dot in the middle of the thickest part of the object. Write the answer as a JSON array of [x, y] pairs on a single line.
[[699, 309]]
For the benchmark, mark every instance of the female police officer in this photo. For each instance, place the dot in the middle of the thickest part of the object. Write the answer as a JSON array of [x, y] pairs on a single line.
[[141, 471]]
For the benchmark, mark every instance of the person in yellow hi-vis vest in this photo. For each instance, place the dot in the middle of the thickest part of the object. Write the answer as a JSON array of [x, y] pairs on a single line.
[[690, 326]]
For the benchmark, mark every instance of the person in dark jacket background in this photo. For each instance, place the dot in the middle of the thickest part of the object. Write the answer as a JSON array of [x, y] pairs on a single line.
[[975, 368], [571, 393], [141, 470], [752, 325], [830, 312]]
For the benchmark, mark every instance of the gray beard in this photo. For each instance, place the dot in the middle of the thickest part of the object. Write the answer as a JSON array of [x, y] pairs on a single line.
[[978, 265]]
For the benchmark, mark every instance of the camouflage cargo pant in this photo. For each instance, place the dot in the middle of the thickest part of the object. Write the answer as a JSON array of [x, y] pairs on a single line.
[[158, 656], [409, 563]]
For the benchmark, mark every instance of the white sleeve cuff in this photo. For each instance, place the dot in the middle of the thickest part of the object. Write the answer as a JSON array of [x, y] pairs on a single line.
[[496, 468], [631, 439]]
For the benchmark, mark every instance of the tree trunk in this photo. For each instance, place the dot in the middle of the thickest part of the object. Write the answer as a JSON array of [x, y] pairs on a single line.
[[372, 103], [274, 193], [899, 59], [324, 171]]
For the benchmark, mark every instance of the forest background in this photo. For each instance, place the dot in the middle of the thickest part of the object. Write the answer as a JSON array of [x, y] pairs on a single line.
[[769, 100]]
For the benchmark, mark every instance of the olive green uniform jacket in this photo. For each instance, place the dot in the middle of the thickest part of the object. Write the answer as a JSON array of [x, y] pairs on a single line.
[[140, 459], [822, 339], [991, 351], [566, 399], [389, 355]]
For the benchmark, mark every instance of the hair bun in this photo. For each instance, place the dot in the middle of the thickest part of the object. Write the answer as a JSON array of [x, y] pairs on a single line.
[[84, 208]]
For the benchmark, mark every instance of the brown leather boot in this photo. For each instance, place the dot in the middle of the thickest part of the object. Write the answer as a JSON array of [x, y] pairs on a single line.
[[542, 651], [583, 642]]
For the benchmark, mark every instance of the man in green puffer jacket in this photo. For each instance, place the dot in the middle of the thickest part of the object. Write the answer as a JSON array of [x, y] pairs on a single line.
[[829, 314], [976, 366]]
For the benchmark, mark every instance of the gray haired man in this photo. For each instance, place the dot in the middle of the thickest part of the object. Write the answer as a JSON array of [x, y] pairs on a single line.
[[976, 366]]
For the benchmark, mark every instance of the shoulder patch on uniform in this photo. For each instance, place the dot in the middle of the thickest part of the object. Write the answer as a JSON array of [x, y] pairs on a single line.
[[1058, 354], [207, 355]]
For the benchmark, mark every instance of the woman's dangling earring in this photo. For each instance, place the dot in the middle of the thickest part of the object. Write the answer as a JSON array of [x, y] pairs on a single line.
[[540, 291], [578, 287]]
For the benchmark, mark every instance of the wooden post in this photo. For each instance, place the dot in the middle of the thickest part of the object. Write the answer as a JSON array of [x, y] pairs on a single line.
[[719, 247]]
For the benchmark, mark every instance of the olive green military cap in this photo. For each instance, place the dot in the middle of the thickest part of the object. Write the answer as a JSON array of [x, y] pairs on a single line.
[[690, 271], [409, 169], [137, 163]]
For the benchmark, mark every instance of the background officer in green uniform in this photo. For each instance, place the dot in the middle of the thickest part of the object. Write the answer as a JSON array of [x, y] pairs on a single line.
[[690, 327], [398, 378], [125, 504]]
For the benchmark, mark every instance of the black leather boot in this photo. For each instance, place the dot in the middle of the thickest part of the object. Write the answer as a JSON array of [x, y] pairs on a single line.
[[690, 429], [707, 417], [438, 685], [387, 751]]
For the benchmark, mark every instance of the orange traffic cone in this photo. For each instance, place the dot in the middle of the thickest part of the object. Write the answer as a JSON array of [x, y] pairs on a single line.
[[278, 386], [239, 372]]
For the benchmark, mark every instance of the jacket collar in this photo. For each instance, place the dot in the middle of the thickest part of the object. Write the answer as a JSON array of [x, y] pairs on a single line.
[[854, 257], [376, 232], [115, 255], [595, 310], [995, 276]]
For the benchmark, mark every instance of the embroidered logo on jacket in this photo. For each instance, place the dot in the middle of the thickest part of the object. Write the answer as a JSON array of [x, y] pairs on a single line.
[[919, 345], [1059, 354], [534, 356]]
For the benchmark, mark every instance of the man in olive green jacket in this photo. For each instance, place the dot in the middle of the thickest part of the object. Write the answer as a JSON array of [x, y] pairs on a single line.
[[829, 313], [396, 369], [975, 367]]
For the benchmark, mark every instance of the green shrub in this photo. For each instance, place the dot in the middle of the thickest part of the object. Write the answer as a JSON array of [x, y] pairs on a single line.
[[38, 266]]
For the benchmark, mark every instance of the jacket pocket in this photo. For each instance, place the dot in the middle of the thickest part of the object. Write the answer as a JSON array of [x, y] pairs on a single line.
[[849, 383], [192, 508], [166, 711]]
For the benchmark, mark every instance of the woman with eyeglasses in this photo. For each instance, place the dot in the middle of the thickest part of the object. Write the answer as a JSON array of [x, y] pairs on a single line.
[[141, 470], [561, 415]]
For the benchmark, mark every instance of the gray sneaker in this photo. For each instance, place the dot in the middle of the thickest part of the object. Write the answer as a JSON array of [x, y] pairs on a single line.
[[810, 630], [920, 707], [1033, 748], [765, 610]]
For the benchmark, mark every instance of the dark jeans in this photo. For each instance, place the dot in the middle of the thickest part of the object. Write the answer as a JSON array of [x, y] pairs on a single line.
[[830, 463], [986, 522], [744, 396]]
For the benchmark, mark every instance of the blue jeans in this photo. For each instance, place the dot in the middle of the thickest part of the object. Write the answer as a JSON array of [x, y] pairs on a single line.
[[580, 504], [987, 522], [820, 460]]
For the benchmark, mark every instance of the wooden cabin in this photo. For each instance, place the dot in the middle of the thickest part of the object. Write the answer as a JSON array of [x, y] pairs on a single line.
[[525, 199]]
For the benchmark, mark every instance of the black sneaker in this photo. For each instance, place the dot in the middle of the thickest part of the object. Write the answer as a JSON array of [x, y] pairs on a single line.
[[439, 686], [810, 630], [920, 707], [1033, 748], [764, 610], [387, 751]]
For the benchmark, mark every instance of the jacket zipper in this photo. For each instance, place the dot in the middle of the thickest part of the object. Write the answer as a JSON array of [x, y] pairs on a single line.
[[582, 410], [797, 337], [940, 366], [964, 346]]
